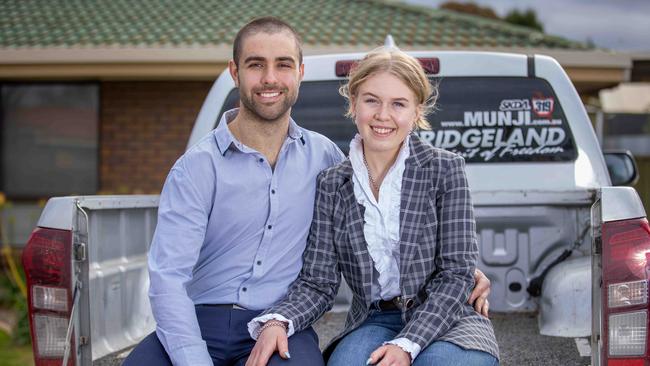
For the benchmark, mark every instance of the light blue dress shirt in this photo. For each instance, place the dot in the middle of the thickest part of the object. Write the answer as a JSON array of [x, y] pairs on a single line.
[[231, 230]]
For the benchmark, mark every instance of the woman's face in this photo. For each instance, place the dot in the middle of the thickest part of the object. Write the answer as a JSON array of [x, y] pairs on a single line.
[[385, 110]]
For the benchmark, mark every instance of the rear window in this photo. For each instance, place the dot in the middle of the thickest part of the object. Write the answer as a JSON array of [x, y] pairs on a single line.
[[486, 120]]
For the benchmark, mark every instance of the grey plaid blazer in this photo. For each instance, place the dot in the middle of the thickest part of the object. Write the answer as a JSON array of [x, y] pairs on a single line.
[[438, 252]]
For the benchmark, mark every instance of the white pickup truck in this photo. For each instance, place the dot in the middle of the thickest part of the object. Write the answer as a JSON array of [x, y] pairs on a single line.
[[552, 229]]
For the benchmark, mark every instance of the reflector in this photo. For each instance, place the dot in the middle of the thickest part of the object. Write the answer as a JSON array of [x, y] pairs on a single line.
[[626, 362], [47, 258]]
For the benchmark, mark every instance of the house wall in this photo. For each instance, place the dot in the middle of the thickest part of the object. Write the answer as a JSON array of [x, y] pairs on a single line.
[[144, 128]]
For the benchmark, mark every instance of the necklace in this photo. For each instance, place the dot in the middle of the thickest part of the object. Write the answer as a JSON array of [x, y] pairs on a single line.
[[373, 183]]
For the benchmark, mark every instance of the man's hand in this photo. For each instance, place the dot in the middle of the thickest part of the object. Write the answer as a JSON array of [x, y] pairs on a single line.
[[389, 355], [479, 295], [272, 339]]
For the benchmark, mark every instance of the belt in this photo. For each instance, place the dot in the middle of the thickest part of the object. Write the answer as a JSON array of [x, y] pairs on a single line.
[[225, 306], [385, 305], [396, 303]]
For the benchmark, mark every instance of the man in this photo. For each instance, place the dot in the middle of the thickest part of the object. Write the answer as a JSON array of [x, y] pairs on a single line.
[[234, 215]]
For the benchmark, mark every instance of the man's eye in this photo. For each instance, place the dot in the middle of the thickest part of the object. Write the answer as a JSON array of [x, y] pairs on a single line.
[[286, 66], [255, 65]]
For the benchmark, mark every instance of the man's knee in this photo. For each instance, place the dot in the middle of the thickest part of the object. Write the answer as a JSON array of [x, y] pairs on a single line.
[[304, 350], [149, 352]]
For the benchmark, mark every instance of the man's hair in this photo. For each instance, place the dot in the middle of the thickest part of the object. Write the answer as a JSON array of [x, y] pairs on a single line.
[[269, 25]]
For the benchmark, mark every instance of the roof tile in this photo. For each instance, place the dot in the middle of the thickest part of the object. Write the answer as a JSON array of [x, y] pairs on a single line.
[[155, 23]]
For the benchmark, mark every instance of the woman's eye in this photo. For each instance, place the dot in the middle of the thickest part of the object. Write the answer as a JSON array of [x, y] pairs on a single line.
[[399, 104], [373, 101]]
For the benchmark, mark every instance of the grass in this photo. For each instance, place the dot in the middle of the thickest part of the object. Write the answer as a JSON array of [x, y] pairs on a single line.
[[12, 355], [15, 349]]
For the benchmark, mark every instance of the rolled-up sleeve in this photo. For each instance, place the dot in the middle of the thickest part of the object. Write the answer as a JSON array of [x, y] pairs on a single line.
[[182, 219]]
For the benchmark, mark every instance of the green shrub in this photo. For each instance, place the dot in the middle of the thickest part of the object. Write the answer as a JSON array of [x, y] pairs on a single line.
[[11, 298]]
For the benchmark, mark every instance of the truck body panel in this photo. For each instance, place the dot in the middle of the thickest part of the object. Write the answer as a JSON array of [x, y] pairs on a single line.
[[116, 231], [559, 317]]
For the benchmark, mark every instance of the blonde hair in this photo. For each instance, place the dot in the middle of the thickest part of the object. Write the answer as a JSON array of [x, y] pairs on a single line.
[[404, 67]]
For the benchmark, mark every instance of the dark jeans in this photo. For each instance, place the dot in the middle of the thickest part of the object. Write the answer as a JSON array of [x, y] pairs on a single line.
[[356, 347], [225, 332]]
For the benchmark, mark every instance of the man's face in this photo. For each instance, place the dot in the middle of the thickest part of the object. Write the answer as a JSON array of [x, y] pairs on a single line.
[[268, 75]]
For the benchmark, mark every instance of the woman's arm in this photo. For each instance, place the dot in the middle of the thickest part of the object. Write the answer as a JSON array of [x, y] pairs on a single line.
[[313, 292], [456, 255]]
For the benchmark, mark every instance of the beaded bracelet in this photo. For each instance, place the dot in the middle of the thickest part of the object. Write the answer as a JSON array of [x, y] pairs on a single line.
[[272, 323]]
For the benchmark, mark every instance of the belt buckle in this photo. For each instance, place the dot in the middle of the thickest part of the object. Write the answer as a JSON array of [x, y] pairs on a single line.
[[403, 303]]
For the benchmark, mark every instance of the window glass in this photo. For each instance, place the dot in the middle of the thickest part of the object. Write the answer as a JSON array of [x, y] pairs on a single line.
[[319, 108], [485, 119], [493, 119], [49, 139]]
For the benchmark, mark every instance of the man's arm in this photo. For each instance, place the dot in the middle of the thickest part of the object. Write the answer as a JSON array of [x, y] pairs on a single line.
[[182, 220], [480, 293]]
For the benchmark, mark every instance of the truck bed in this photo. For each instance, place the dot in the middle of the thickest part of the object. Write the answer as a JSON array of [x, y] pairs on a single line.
[[517, 334], [115, 311]]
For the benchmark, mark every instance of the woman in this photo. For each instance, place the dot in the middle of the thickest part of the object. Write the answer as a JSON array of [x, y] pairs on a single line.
[[396, 220]]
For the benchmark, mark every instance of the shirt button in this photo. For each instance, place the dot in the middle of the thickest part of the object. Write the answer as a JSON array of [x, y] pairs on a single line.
[[259, 263], [269, 227], [244, 289], [273, 191], [261, 160]]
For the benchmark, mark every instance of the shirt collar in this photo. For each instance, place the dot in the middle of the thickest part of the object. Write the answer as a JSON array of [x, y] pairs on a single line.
[[222, 133], [294, 131], [225, 138], [359, 169], [356, 151]]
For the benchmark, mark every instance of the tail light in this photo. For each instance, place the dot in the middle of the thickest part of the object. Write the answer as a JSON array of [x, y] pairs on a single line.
[[431, 66], [626, 270], [47, 261]]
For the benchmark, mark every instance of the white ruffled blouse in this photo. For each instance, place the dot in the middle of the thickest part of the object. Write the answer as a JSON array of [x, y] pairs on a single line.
[[381, 219]]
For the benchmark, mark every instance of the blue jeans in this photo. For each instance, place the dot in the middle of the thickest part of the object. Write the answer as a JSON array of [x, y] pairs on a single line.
[[355, 348], [225, 332]]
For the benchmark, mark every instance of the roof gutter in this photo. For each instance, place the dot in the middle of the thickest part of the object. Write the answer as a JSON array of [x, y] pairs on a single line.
[[207, 62]]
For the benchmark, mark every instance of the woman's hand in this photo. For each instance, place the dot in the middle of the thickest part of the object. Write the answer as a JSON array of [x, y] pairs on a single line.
[[270, 340], [479, 295], [389, 355]]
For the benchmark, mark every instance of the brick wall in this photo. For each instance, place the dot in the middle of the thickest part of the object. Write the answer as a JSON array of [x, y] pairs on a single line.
[[144, 128]]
